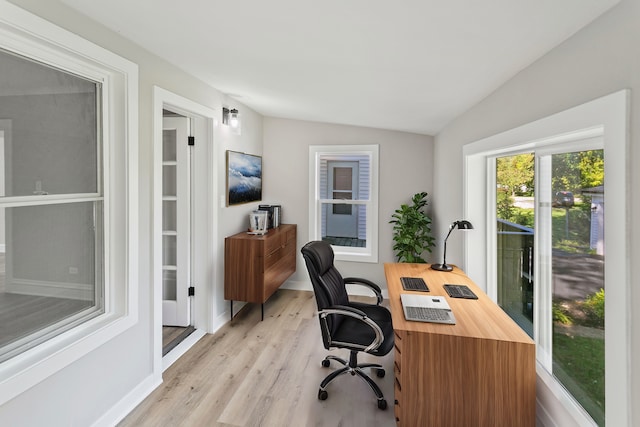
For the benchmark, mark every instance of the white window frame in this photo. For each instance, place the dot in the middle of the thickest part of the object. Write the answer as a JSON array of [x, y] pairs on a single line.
[[606, 117], [32, 37], [343, 253]]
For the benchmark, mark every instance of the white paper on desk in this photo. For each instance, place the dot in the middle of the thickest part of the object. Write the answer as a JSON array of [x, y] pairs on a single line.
[[427, 301]]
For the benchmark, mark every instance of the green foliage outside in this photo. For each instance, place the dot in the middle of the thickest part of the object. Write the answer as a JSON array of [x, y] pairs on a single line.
[[575, 238], [580, 367], [412, 230], [575, 171], [594, 308], [559, 315], [516, 173]]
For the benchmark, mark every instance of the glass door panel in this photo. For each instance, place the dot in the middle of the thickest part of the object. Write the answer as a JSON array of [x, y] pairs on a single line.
[[515, 214], [577, 218], [558, 228], [175, 222]]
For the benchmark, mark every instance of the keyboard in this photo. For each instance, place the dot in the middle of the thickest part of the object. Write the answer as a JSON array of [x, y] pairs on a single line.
[[414, 284], [428, 314], [460, 291]]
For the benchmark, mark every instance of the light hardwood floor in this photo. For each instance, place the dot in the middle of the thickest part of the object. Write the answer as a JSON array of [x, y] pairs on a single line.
[[253, 373]]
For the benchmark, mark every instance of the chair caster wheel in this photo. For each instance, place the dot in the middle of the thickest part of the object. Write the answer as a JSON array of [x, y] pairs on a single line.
[[322, 395], [325, 363], [382, 404], [380, 373]]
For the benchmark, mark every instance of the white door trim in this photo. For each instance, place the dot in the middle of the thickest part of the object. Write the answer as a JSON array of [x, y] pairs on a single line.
[[205, 196]]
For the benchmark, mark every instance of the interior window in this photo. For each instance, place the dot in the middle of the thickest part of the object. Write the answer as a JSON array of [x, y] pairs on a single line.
[[50, 203], [343, 201]]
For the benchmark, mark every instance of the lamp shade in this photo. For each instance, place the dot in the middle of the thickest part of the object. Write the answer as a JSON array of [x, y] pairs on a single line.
[[463, 225]]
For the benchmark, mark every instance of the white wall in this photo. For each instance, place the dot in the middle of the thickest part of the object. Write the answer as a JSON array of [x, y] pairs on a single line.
[[601, 59], [84, 391], [406, 167]]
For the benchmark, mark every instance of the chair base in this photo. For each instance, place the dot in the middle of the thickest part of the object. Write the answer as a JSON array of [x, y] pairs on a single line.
[[356, 369]]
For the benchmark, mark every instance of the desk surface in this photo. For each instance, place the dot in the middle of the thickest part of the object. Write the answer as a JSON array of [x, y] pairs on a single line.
[[478, 372], [480, 318]]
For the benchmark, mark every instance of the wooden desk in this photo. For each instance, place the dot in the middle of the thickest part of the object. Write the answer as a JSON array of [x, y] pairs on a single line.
[[479, 372]]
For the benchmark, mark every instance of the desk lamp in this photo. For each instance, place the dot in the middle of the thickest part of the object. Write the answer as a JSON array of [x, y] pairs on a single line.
[[462, 225]]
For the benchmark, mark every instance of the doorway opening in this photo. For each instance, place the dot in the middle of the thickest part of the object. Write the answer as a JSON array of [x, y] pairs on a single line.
[[184, 231], [177, 230]]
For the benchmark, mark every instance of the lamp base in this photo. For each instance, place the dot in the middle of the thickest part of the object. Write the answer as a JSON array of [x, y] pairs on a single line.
[[441, 267]]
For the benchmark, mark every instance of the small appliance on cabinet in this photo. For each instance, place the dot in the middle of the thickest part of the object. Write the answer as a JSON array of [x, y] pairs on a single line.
[[274, 215]]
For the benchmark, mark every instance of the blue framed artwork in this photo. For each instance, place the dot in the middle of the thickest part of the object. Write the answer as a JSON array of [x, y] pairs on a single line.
[[244, 178]]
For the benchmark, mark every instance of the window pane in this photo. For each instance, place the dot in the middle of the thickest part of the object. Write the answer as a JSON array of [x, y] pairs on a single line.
[[51, 272], [515, 217], [344, 177], [52, 149], [347, 228], [342, 209], [578, 276]]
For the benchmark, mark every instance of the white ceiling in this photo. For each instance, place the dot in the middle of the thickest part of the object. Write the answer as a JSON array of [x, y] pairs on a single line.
[[409, 65]]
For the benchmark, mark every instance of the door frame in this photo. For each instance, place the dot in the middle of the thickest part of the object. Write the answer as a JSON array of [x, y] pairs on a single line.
[[203, 218]]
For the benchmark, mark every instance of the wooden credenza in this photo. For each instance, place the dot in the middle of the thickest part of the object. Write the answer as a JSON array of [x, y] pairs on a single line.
[[256, 265], [479, 372]]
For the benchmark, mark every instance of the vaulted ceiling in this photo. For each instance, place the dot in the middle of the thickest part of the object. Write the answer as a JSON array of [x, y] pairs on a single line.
[[411, 65]]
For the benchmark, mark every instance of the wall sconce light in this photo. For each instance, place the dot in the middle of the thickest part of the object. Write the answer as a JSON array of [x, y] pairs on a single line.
[[234, 118], [230, 117], [462, 225]]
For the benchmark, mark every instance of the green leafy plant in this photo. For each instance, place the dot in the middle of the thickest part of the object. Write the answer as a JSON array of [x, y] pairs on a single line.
[[560, 315], [594, 307], [412, 230]]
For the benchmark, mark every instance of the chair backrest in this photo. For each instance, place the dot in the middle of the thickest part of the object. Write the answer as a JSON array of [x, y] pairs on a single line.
[[328, 284]]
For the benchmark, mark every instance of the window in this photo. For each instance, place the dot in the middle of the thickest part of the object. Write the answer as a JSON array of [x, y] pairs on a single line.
[[51, 202], [343, 199], [68, 202], [579, 139]]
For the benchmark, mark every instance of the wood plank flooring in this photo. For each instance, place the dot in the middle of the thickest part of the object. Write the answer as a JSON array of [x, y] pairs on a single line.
[[21, 315], [253, 373]]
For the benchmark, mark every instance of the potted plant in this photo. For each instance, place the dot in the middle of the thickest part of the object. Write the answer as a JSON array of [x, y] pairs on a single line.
[[412, 230]]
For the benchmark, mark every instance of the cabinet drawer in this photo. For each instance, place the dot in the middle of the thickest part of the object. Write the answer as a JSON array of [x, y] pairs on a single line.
[[274, 243]]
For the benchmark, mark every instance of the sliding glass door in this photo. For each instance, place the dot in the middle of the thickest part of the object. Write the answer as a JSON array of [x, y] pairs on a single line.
[[550, 260]]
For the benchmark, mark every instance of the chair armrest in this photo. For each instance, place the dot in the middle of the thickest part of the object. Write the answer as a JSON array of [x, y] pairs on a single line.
[[343, 310], [366, 283]]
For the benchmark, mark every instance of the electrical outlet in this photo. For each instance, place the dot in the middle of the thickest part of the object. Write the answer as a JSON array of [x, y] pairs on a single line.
[[73, 270]]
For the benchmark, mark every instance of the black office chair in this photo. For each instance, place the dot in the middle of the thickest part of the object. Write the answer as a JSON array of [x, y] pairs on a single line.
[[344, 324]]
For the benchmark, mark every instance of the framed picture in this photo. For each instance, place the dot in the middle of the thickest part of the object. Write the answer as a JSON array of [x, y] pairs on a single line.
[[244, 178]]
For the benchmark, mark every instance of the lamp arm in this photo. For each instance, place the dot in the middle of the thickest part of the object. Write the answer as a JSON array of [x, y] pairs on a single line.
[[444, 255]]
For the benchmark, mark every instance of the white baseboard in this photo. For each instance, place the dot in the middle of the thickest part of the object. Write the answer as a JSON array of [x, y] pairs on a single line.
[[78, 291], [297, 285], [125, 405], [170, 358], [219, 322]]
